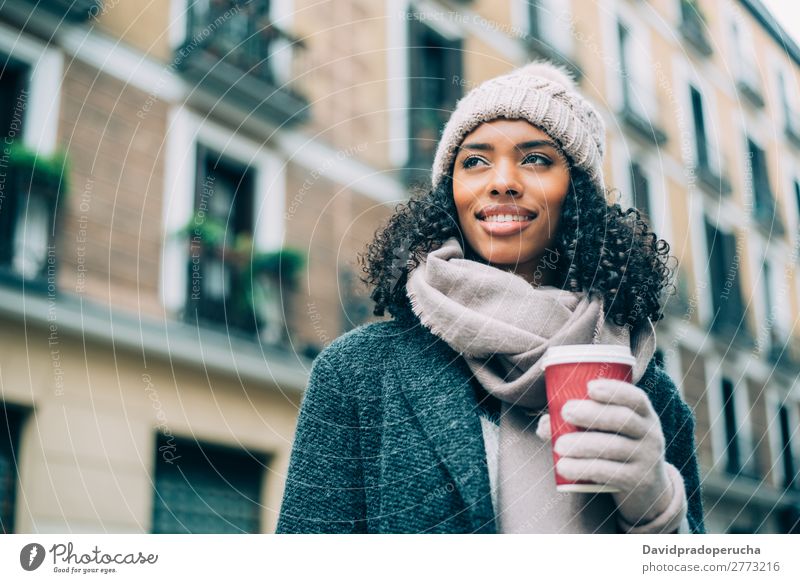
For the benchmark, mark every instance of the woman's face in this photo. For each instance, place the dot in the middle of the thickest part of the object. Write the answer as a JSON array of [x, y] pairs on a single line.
[[509, 182]]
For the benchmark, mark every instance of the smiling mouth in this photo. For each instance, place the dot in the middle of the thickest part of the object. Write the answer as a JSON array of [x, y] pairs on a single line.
[[507, 218]]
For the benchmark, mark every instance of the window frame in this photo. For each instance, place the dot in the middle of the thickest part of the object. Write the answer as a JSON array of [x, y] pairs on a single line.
[[449, 41], [717, 369], [184, 131], [222, 312], [21, 414], [39, 133], [738, 249], [192, 450]]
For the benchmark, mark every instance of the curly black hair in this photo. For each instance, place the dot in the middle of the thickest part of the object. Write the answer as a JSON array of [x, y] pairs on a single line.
[[600, 249]]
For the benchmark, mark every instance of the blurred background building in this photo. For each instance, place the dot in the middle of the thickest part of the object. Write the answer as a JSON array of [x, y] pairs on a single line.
[[185, 184]]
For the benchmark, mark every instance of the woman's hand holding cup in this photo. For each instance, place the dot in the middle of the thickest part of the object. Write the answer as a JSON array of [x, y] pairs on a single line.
[[621, 445]]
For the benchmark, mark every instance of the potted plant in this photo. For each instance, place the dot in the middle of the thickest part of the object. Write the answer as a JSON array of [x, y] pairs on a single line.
[[46, 173], [260, 276], [37, 185]]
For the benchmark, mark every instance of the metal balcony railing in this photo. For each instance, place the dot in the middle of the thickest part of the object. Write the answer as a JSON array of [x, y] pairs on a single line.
[[234, 52]]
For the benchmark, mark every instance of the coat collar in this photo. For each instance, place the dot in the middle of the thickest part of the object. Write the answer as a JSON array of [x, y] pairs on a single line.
[[436, 384]]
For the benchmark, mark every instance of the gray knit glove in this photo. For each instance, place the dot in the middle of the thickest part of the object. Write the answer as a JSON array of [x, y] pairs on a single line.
[[622, 447]]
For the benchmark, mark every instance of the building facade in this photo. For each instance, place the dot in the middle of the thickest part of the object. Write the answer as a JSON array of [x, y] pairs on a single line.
[[186, 186]]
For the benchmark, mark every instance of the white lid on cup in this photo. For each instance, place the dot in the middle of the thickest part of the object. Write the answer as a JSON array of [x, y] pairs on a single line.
[[574, 353]]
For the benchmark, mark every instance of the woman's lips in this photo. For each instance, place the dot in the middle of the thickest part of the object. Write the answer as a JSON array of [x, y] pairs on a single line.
[[500, 229]]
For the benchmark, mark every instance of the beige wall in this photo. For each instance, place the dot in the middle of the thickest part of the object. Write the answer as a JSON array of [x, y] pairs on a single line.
[[87, 454], [143, 25]]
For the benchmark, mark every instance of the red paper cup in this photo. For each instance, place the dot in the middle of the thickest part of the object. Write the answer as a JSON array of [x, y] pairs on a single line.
[[567, 370]]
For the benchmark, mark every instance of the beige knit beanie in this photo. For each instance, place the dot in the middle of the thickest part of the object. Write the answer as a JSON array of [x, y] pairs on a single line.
[[541, 93]]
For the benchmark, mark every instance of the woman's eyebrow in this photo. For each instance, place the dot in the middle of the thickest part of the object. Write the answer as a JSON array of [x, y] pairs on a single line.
[[537, 144], [521, 146], [476, 147]]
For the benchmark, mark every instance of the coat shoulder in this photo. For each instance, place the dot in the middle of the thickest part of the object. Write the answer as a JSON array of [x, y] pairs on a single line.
[[375, 341], [364, 353]]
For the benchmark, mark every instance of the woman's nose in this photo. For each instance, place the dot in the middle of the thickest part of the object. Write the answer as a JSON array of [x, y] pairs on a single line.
[[504, 179]]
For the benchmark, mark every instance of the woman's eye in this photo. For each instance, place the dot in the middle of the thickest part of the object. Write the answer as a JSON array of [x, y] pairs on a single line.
[[470, 161], [538, 159]]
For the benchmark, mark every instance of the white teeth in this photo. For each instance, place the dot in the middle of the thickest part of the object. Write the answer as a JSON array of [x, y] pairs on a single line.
[[505, 218]]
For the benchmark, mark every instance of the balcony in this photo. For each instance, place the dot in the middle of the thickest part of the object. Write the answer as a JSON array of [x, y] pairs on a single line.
[[36, 185], [641, 126], [766, 217], [74, 10], [693, 27], [780, 354], [730, 329], [236, 288], [42, 17], [749, 88], [237, 55], [713, 181]]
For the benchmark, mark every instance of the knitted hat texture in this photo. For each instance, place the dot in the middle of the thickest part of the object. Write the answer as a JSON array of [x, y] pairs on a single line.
[[545, 95]]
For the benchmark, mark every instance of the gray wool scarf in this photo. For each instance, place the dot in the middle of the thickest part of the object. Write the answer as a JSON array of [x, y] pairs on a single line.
[[502, 325]]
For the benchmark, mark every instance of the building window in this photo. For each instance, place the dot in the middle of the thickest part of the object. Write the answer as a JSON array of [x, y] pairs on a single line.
[[769, 307], [776, 340], [700, 141], [234, 31], [796, 184], [550, 32], [723, 268], [706, 155], [733, 463], [639, 104], [10, 425], [30, 189], [694, 27], [640, 189], [236, 53], [763, 200], [15, 78], [203, 488], [435, 85], [221, 243], [746, 70], [791, 113], [789, 520], [787, 453]]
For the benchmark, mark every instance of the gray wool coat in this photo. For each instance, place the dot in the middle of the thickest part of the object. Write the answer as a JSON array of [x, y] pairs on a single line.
[[389, 439]]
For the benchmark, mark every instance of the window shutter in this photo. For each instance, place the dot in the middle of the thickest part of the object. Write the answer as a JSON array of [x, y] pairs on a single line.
[[640, 189], [787, 454], [734, 310], [203, 488], [700, 137], [713, 245], [10, 424], [733, 464]]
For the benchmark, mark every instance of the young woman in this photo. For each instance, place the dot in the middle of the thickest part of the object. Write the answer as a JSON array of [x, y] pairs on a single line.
[[436, 420]]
